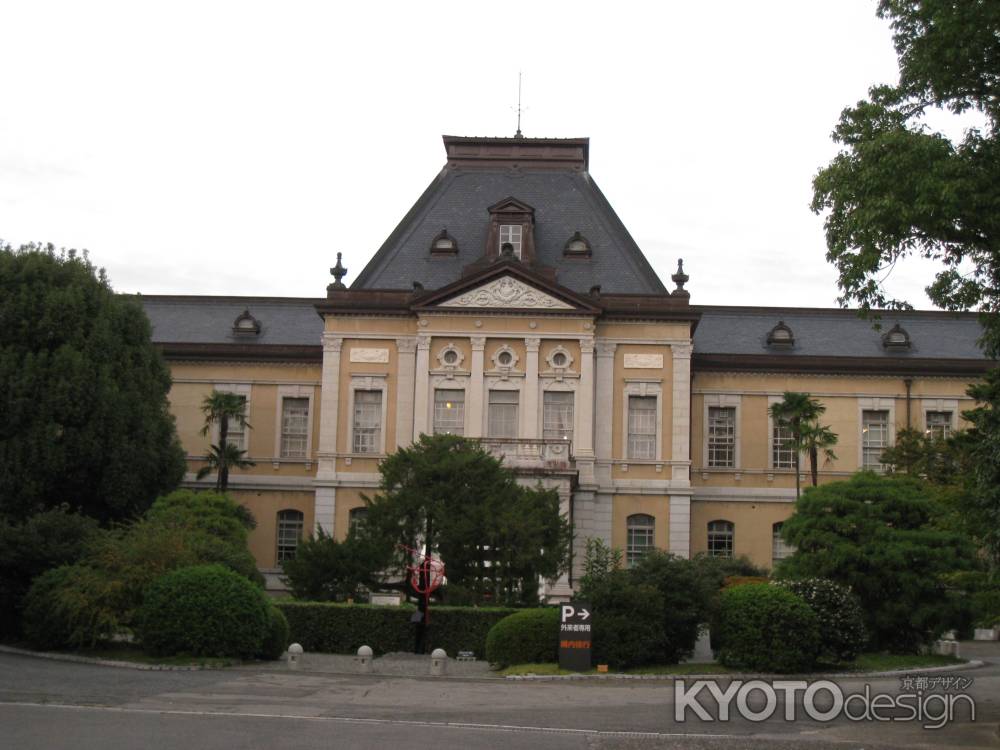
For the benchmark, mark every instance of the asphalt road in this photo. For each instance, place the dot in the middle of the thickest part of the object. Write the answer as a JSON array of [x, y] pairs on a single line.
[[46, 704]]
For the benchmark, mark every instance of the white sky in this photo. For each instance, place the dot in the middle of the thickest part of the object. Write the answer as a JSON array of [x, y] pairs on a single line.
[[235, 147]]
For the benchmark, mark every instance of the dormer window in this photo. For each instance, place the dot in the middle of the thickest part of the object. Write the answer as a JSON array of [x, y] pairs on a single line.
[[780, 337], [577, 247], [246, 325], [444, 244], [897, 339], [510, 234], [512, 225]]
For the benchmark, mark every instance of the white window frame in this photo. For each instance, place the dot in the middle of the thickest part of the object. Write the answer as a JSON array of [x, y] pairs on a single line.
[[732, 538], [723, 400], [643, 387], [779, 544], [515, 238], [634, 553], [294, 391], [355, 517], [239, 389], [278, 536], [465, 401], [771, 401], [875, 404], [517, 425], [367, 383], [572, 400], [940, 404]]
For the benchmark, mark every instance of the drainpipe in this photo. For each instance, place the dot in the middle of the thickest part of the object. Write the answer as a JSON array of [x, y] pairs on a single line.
[[908, 382]]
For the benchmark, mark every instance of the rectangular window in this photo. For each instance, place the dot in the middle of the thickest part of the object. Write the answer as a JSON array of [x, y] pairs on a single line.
[[557, 416], [939, 424], [503, 414], [720, 538], [294, 427], [367, 421], [290, 523], [236, 434], [511, 233], [639, 541], [449, 412], [782, 450], [722, 436], [642, 427], [780, 549], [874, 438]]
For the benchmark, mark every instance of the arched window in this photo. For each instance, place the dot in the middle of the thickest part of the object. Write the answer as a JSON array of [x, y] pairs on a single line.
[[290, 523], [780, 549], [720, 538], [640, 528], [356, 519]]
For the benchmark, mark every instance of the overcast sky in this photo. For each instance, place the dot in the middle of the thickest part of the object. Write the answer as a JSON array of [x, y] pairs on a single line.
[[235, 147]]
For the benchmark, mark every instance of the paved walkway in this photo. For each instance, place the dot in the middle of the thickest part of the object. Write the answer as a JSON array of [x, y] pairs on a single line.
[[395, 664]]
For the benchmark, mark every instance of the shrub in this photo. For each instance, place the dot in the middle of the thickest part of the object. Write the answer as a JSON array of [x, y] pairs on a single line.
[[28, 549], [341, 628], [203, 610], [767, 628], [71, 606], [841, 622], [325, 569], [627, 628], [276, 639], [687, 597], [880, 536], [525, 637]]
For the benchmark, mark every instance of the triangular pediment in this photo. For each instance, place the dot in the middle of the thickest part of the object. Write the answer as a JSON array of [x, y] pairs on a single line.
[[506, 292], [510, 204]]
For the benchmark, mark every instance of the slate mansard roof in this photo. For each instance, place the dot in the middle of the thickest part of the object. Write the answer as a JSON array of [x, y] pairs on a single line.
[[560, 189], [726, 337]]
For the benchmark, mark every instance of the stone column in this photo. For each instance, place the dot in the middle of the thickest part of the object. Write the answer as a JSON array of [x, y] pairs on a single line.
[[680, 440], [530, 405], [324, 510], [422, 387], [474, 399], [680, 436], [604, 396], [406, 347], [583, 432]]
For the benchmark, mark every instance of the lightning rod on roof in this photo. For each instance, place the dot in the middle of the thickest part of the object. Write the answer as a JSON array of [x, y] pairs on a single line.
[[518, 134]]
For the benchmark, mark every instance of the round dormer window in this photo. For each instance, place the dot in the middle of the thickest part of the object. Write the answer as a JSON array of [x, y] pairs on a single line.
[[450, 357], [559, 359], [505, 359]]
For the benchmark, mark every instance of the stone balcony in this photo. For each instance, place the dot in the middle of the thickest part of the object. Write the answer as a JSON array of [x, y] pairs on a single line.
[[528, 454]]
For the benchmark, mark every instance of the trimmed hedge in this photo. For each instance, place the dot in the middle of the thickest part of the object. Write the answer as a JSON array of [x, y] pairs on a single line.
[[276, 640], [767, 628], [530, 636], [327, 627], [841, 621], [203, 610]]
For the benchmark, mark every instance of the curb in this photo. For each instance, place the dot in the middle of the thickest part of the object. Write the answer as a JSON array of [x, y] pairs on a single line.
[[53, 656], [972, 664]]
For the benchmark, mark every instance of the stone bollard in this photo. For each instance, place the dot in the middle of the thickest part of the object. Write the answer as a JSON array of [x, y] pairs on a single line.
[[439, 662], [946, 647], [294, 656], [364, 660]]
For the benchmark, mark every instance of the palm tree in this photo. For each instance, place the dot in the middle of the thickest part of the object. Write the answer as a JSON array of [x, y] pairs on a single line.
[[817, 438], [222, 461], [221, 407], [798, 412]]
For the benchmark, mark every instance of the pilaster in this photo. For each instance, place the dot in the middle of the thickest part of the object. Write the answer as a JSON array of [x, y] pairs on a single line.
[[474, 398], [406, 348], [422, 388], [530, 405]]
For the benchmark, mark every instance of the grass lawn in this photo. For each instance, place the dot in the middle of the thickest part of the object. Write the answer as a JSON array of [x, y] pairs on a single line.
[[864, 663]]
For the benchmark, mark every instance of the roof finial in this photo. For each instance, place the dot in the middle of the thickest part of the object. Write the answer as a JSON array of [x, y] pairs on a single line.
[[680, 279], [338, 272], [519, 134]]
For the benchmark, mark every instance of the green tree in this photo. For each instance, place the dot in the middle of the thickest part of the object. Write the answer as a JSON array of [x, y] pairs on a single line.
[[84, 392], [899, 188], [327, 570], [799, 413], [877, 535], [221, 408], [980, 504], [450, 496]]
